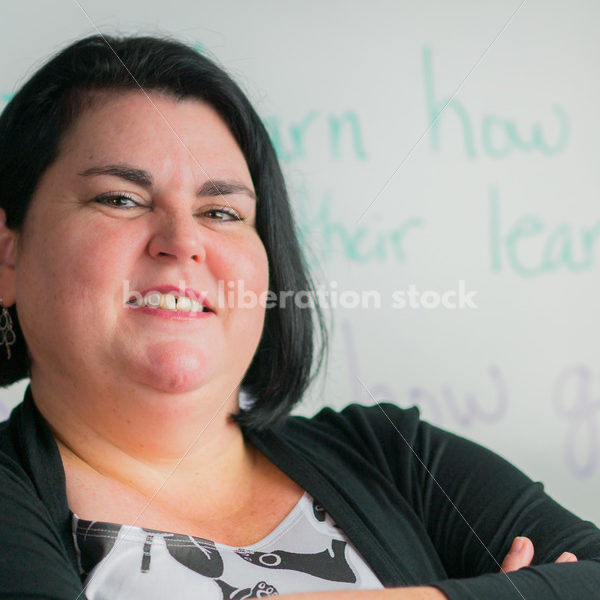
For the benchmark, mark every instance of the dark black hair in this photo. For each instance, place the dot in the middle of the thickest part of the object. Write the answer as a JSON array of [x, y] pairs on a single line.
[[294, 339]]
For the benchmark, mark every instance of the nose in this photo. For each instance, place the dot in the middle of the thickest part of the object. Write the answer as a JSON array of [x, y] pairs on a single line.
[[178, 236]]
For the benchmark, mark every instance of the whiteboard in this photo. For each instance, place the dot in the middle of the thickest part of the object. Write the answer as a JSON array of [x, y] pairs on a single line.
[[442, 159]]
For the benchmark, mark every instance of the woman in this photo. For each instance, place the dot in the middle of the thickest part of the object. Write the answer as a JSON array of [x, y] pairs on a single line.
[[142, 206]]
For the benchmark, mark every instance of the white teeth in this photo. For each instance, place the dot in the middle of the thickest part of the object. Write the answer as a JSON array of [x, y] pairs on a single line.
[[184, 304], [168, 302], [153, 300]]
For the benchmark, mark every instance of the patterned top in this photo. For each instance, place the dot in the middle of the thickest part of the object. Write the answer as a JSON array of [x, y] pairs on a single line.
[[305, 552]]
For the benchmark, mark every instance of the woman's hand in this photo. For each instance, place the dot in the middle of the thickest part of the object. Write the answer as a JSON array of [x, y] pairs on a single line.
[[521, 554]]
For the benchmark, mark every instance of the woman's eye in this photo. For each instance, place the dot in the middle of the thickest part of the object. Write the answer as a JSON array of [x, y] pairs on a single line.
[[223, 214], [122, 201], [116, 201]]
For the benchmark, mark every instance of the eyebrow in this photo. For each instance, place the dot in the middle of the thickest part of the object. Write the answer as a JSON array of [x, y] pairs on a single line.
[[212, 187]]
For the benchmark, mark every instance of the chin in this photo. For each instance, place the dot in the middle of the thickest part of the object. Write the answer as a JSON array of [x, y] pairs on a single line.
[[178, 382], [177, 371]]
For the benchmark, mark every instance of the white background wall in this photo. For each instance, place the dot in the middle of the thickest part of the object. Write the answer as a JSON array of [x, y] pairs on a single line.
[[501, 192]]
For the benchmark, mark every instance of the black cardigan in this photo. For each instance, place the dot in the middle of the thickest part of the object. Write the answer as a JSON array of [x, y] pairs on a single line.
[[421, 505]]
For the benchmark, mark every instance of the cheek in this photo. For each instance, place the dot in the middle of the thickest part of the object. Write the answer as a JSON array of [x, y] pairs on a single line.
[[63, 272], [244, 267], [243, 283]]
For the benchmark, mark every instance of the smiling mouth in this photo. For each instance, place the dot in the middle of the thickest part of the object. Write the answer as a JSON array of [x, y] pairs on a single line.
[[171, 302]]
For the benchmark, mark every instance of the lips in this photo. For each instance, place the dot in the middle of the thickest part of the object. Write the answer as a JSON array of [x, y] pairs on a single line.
[[177, 291]]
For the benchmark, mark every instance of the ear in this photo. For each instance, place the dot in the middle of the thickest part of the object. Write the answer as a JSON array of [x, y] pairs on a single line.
[[8, 255]]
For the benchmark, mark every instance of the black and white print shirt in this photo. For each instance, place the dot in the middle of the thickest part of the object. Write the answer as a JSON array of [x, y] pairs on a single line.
[[305, 552]]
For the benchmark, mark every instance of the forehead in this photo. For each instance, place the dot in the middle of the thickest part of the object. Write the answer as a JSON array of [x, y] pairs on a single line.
[[153, 129]]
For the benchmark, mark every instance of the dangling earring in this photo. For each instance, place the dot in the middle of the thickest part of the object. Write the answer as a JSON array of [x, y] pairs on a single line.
[[7, 333]]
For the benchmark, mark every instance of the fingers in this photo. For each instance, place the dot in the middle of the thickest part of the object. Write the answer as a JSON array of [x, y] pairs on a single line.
[[566, 557], [519, 555]]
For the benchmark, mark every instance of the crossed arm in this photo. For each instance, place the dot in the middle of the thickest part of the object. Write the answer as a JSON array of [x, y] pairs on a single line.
[[519, 556]]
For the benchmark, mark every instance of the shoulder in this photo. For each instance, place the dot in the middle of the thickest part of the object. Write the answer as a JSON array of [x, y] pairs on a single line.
[[23, 511], [378, 434], [393, 438], [17, 486], [35, 562], [357, 421], [10, 454], [29, 459]]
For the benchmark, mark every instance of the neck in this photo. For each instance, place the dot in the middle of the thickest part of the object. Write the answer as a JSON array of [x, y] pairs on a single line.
[[153, 442]]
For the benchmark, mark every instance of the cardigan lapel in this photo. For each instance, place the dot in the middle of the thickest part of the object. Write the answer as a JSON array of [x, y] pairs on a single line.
[[41, 459]]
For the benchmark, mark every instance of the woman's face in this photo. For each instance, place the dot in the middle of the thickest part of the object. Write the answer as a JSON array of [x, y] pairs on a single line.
[[142, 200]]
